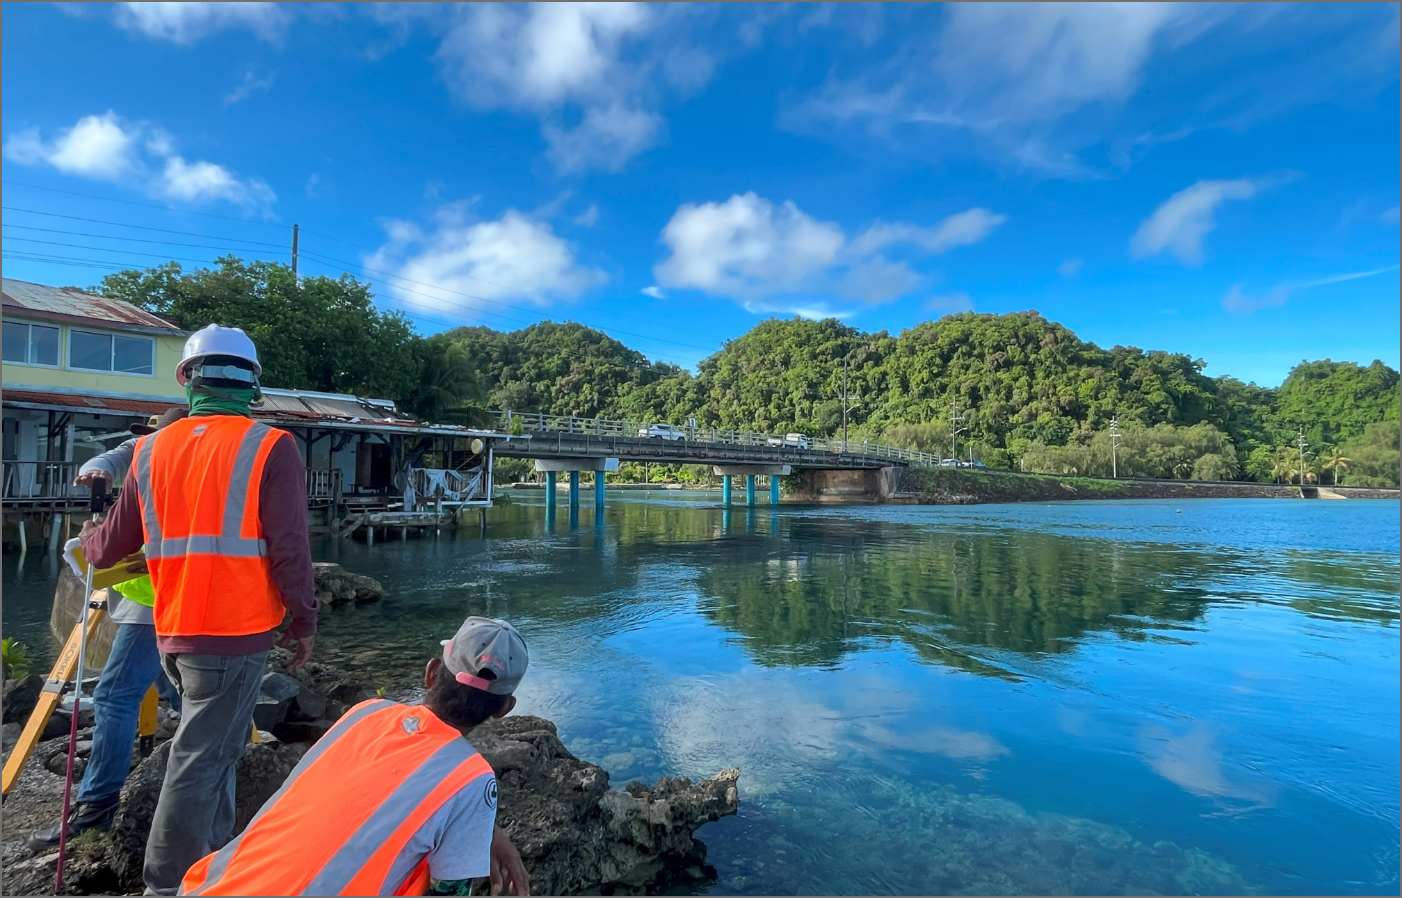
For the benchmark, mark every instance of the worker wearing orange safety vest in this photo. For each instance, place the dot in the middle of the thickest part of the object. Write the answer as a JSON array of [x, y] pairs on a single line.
[[219, 501], [393, 800]]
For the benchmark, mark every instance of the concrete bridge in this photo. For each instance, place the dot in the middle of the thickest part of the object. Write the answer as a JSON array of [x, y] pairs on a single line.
[[832, 468]]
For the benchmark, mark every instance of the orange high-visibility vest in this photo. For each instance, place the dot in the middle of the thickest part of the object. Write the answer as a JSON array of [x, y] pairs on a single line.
[[342, 821], [198, 482]]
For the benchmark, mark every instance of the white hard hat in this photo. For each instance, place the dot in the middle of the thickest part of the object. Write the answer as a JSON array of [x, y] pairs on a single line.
[[216, 340]]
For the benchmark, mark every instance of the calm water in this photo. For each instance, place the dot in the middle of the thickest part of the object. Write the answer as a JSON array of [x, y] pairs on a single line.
[[1083, 697]]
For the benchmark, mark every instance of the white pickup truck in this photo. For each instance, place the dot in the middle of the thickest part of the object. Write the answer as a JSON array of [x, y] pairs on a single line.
[[662, 432], [789, 441]]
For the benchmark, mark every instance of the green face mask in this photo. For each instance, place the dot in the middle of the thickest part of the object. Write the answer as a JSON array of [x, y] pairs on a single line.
[[221, 400]]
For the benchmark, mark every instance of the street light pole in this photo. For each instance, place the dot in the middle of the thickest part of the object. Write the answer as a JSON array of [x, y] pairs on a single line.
[[844, 403], [1114, 445], [1303, 445]]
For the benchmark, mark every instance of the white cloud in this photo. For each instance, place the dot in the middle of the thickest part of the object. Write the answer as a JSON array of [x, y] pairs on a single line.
[[198, 181], [1239, 303], [749, 249], [1021, 62], [606, 139], [961, 229], [1071, 268], [589, 217], [1085, 90], [96, 147], [1003, 73], [185, 23], [250, 85], [135, 154], [1178, 226], [586, 69], [513, 257], [747, 246], [594, 74], [654, 291]]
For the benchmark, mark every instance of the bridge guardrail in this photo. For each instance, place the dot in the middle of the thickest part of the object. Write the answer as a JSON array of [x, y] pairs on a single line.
[[538, 422]]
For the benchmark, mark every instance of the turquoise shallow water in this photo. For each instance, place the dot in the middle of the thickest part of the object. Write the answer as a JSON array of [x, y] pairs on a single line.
[[1071, 698]]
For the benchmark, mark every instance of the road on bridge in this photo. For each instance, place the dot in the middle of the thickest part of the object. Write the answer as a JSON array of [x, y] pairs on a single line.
[[563, 437]]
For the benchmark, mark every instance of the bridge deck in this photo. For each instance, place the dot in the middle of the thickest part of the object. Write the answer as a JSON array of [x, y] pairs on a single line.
[[686, 452], [565, 437]]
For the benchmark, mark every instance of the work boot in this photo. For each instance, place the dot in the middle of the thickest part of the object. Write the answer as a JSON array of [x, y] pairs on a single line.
[[87, 815]]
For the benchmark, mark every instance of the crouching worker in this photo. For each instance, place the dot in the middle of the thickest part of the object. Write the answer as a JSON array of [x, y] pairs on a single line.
[[392, 800]]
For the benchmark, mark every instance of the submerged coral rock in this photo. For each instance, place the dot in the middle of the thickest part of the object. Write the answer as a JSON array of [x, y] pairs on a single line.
[[335, 584]]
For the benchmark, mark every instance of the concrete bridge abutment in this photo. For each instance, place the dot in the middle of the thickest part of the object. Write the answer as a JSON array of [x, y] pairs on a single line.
[[854, 486]]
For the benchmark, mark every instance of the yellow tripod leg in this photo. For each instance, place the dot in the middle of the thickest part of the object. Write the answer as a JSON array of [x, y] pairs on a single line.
[[63, 670], [146, 721]]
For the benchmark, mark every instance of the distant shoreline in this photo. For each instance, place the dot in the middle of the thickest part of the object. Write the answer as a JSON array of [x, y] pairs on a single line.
[[963, 486]]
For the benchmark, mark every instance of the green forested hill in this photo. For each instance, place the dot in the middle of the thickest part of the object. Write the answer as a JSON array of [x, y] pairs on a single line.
[[1022, 383]]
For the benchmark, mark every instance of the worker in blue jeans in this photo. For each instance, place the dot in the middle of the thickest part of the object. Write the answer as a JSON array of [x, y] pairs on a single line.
[[133, 665]]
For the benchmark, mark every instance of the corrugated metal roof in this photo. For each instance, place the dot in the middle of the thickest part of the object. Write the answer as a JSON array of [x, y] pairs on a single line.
[[291, 408], [72, 303], [92, 405]]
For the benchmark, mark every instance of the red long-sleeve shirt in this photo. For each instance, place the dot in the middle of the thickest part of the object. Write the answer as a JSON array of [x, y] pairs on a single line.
[[282, 510]]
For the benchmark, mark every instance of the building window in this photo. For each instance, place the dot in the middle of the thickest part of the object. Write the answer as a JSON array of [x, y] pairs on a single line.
[[31, 344], [111, 352]]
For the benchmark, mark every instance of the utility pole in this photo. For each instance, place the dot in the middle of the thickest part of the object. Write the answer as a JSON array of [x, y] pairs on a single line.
[[294, 252], [1114, 444], [955, 419]]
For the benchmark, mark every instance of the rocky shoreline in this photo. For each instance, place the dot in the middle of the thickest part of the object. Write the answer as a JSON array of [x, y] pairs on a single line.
[[575, 833]]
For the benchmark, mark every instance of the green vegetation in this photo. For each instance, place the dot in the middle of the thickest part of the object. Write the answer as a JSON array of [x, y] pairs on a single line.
[[1199, 452], [1372, 459], [15, 658], [1035, 397], [1032, 394]]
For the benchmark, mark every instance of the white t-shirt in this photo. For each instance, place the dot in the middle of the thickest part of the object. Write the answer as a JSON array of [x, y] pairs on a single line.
[[457, 839]]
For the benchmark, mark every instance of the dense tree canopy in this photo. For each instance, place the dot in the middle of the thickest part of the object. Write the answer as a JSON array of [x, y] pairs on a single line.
[[1024, 386]]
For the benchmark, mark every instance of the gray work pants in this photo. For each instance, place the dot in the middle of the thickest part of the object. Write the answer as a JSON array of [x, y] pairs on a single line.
[[195, 813]]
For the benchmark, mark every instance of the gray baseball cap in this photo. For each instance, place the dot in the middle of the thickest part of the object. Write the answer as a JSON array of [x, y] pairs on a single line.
[[482, 643]]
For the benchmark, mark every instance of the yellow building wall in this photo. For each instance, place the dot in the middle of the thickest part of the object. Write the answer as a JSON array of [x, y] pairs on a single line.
[[168, 351]]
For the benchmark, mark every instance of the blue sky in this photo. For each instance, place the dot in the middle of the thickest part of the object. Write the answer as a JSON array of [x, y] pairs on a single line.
[[1216, 180]]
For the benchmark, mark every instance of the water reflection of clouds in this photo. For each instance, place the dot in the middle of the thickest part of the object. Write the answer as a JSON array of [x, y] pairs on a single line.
[[1193, 763]]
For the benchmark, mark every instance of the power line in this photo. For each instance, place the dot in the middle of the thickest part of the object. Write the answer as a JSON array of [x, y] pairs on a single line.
[[119, 224], [39, 256], [105, 249], [108, 199]]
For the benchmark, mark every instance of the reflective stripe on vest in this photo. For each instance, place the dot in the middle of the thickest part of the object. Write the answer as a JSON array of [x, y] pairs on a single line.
[[198, 483], [348, 810]]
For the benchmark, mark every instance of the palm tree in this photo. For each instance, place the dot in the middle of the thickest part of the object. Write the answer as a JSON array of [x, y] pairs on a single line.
[[449, 389], [1182, 470], [1336, 461], [1284, 465]]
